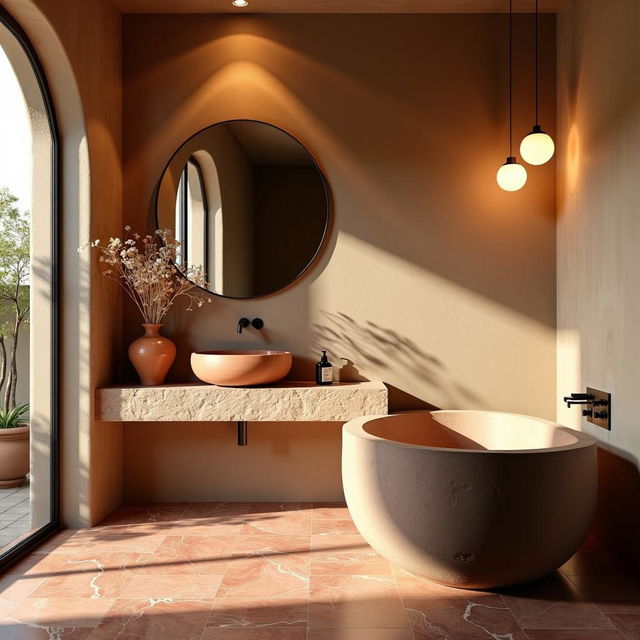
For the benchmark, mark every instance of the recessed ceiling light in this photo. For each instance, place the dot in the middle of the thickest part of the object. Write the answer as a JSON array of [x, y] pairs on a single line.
[[239, 3]]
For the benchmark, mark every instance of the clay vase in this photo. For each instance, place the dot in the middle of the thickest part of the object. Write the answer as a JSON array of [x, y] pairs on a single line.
[[152, 355], [14, 456]]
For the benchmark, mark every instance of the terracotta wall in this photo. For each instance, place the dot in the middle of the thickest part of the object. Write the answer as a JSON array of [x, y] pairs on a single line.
[[433, 280], [79, 44], [598, 240]]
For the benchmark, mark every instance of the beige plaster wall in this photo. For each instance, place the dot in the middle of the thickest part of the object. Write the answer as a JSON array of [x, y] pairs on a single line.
[[433, 280], [598, 240], [79, 44]]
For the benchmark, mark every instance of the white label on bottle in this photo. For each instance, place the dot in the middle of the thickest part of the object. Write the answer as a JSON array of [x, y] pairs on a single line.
[[327, 374]]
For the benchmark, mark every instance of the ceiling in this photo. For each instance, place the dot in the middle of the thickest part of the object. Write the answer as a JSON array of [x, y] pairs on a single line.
[[332, 6]]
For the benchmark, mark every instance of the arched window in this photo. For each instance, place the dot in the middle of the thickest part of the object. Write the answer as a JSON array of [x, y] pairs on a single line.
[[29, 153]]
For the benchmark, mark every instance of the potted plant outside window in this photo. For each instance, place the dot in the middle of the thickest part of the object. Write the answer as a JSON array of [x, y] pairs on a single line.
[[14, 446]]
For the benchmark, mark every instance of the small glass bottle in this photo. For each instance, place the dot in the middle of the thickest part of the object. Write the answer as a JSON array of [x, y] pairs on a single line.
[[324, 370]]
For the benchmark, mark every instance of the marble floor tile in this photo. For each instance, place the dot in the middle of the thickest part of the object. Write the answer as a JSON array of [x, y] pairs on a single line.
[[323, 527], [552, 605], [618, 606], [153, 619], [617, 588], [294, 508], [331, 511], [285, 613], [64, 618], [355, 601], [574, 634], [214, 526], [593, 560], [287, 523], [174, 587], [627, 623], [267, 575], [220, 510], [414, 586], [462, 618], [87, 574], [280, 571], [190, 555], [277, 633], [345, 555], [271, 545], [360, 634], [146, 513]]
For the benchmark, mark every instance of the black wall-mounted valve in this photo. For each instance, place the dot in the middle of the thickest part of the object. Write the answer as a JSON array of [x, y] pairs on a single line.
[[243, 323], [597, 406]]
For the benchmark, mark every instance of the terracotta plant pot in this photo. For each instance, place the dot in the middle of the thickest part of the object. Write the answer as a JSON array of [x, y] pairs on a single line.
[[152, 355], [14, 456]]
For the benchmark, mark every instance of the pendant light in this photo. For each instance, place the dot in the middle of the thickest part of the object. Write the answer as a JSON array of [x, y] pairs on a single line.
[[537, 147], [511, 176]]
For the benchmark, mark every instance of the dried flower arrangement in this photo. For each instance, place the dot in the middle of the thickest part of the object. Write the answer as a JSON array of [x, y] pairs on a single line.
[[148, 269]]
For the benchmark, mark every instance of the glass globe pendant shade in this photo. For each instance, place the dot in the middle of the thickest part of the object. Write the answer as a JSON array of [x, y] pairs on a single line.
[[537, 147], [511, 176]]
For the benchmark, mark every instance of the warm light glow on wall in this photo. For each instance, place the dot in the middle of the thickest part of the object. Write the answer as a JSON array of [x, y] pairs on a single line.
[[240, 3], [573, 158]]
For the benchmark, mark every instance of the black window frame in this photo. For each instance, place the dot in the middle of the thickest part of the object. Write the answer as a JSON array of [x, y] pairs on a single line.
[[30, 542]]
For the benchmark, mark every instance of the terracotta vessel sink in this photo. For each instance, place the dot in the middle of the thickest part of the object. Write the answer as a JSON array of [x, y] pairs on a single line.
[[241, 368]]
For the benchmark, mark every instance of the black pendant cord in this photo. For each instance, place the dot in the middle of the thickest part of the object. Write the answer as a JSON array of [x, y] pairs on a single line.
[[537, 77], [510, 80]]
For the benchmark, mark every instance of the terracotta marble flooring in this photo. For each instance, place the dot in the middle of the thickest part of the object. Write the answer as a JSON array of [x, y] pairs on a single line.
[[230, 571]]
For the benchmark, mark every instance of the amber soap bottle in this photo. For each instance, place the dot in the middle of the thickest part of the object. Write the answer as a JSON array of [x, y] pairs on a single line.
[[324, 370]]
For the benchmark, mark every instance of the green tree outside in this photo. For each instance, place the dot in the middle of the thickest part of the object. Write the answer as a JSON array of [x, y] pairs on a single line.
[[15, 273]]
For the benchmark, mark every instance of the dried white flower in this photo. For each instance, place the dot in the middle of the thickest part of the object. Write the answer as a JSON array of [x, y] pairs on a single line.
[[150, 273]]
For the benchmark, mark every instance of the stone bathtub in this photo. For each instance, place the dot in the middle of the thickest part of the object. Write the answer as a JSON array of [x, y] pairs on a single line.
[[470, 499]]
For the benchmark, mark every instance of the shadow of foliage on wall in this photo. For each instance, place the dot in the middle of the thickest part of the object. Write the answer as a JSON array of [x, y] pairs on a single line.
[[368, 347]]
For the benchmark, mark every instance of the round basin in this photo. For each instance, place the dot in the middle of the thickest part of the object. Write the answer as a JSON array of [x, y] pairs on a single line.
[[241, 368]]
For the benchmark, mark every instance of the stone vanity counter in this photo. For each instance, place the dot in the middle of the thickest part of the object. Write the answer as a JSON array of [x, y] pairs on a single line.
[[283, 402]]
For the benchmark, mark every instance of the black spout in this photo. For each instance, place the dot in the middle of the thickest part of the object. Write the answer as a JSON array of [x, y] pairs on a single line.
[[243, 323]]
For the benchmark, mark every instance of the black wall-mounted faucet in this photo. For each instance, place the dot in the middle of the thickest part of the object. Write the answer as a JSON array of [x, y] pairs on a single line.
[[597, 406], [243, 323]]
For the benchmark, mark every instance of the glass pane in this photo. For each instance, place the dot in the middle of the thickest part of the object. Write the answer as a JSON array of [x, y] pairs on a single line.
[[26, 332]]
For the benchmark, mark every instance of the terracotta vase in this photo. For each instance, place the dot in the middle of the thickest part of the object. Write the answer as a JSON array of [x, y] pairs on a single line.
[[152, 355], [14, 456]]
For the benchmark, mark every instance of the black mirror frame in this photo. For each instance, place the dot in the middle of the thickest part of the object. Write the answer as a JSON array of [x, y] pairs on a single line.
[[325, 187]]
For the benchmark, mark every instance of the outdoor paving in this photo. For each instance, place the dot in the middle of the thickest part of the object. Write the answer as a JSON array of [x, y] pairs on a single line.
[[15, 519]]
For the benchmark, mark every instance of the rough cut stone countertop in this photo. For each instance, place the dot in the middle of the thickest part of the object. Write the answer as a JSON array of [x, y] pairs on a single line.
[[283, 402]]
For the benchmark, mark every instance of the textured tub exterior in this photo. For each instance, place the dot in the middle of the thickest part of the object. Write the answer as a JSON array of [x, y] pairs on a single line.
[[468, 517]]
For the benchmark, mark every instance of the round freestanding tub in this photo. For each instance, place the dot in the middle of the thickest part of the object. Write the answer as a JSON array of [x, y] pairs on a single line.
[[470, 499]]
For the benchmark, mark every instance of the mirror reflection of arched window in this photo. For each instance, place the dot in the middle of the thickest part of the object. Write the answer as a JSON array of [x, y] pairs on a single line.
[[192, 214], [198, 221]]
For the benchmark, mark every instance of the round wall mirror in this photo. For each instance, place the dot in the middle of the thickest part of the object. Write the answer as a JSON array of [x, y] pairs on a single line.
[[248, 202]]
